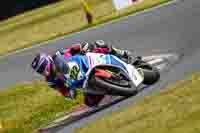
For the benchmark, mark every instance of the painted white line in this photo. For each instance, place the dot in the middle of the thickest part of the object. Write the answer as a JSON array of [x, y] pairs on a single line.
[[161, 67], [157, 56], [166, 56], [62, 118], [92, 28], [150, 58], [157, 61]]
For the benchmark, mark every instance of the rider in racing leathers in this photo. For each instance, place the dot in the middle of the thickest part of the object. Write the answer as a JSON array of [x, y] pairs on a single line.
[[46, 65]]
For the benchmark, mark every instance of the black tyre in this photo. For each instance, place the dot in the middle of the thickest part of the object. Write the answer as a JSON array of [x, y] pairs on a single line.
[[114, 89], [151, 73], [151, 76]]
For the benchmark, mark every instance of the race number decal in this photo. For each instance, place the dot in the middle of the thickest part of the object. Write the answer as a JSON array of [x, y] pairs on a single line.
[[74, 71]]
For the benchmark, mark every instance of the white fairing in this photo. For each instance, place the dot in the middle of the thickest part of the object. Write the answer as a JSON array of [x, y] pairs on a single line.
[[135, 76], [95, 59]]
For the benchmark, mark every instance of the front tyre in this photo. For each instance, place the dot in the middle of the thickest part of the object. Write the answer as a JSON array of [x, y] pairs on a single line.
[[114, 89]]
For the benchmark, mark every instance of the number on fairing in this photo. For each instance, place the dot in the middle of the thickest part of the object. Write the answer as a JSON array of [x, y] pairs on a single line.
[[74, 71], [135, 75]]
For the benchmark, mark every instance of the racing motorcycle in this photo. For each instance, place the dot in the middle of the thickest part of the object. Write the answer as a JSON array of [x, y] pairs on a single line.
[[104, 79], [109, 79]]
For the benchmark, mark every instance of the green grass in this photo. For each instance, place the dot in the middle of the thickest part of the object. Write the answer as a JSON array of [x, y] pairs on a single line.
[[42, 24], [29, 106], [57, 20], [35, 15], [175, 110], [144, 4]]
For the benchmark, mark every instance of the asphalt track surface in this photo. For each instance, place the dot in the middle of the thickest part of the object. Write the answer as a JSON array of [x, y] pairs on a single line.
[[173, 28]]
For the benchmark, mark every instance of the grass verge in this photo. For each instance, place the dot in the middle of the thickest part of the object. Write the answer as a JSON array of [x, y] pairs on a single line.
[[140, 6], [29, 106], [175, 110], [57, 20], [41, 24]]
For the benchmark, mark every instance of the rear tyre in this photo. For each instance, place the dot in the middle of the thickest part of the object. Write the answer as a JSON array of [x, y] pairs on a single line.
[[151, 73], [151, 76]]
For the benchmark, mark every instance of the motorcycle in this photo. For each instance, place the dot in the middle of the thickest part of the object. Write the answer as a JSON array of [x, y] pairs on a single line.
[[104, 79], [109, 79]]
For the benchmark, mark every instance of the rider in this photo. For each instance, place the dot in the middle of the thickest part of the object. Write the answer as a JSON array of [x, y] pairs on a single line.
[[46, 65]]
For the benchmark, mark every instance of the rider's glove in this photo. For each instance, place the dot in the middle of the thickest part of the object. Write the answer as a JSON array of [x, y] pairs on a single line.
[[72, 93], [71, 96]]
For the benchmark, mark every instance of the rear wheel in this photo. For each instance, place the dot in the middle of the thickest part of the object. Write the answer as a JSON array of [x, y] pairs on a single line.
[[151, 73], [150, 76]]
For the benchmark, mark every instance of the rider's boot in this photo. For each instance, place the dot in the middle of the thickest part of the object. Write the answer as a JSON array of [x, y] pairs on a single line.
[[137, 61], [121, 53], [128, 56]]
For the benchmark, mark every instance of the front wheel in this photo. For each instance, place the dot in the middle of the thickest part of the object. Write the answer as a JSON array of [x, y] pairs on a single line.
[[107, 80]]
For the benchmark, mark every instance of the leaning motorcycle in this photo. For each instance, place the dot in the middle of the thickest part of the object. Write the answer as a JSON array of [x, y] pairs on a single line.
[[109, 79], [105, 79]]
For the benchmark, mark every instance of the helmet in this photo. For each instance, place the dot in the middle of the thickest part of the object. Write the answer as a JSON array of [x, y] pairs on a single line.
[[40, 62], [100, 43]]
